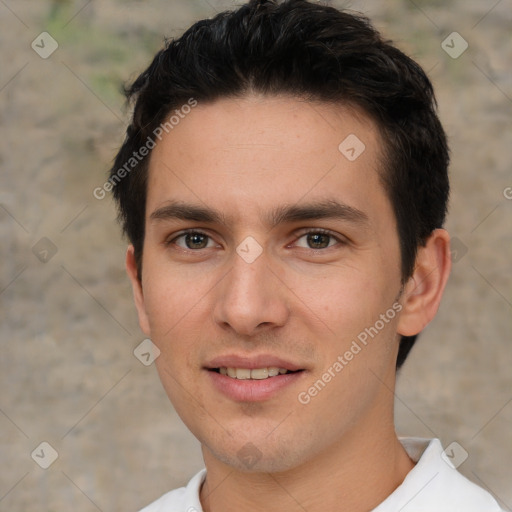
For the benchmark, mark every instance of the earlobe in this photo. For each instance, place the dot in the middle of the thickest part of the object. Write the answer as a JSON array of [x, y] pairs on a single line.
[[424, 289], [138, 293]]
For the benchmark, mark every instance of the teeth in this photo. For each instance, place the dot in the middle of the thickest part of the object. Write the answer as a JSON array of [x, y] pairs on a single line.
[[273, 371], [259, 374], [243, 373], [256, 373]]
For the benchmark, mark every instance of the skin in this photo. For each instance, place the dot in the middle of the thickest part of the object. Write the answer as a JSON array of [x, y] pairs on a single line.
[[245, 158]]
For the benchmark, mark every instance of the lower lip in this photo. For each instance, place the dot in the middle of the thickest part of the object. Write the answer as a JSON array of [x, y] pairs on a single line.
[[252, 390]]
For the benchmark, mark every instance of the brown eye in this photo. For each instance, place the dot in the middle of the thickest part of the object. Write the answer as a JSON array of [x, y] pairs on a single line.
[[196, 241], [317, 240], [193, 240]]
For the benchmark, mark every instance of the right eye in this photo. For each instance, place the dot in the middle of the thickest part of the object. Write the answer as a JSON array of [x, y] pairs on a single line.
[[192, 240]]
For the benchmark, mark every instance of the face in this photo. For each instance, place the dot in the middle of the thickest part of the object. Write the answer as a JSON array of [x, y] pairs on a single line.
[[271, 249]]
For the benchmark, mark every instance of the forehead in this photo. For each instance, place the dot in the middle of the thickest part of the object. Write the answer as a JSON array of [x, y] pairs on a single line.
[[247, 155]]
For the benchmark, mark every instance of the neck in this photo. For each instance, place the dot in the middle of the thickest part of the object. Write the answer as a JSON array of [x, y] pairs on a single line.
[[355, 475]]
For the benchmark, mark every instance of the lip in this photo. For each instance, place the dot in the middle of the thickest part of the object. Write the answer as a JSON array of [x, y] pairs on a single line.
[[259, 361], [252, 390]]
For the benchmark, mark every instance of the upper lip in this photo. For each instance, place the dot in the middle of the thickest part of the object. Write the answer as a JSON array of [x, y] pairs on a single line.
[[251, 362]]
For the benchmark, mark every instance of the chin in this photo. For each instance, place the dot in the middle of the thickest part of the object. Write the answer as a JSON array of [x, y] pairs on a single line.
[[266, 464], [258, 455]]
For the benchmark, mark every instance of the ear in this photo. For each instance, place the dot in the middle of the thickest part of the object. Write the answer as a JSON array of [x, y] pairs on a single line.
[[424, 289], [138, 294]]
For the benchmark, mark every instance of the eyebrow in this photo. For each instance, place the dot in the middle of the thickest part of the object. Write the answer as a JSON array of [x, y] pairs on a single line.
[[185, 211], [326, 209], [330, 208]]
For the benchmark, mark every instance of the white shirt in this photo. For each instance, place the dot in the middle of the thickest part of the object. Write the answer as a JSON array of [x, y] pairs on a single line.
[[433, 485]]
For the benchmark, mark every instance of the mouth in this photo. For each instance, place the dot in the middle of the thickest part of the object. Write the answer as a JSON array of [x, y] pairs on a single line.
[[252, 373], [253, 378]]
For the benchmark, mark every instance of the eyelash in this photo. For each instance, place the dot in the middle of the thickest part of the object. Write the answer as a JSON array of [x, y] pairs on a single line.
[[312, 231]]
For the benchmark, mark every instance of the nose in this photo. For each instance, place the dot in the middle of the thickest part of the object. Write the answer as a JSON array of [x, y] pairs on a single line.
[[251, 298]]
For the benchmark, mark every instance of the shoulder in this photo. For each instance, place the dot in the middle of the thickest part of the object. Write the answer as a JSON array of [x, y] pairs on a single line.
[[435, 484], [184, 499]]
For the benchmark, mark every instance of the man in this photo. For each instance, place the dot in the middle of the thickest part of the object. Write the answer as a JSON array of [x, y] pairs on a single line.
[[283, 185]]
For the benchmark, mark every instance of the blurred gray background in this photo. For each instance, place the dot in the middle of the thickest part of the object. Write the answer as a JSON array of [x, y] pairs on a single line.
[[68, 329]]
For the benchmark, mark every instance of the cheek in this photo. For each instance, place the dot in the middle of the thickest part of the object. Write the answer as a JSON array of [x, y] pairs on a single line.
[[344, 299], [343, 309], [173, 306], [171, 299], [177, 306]]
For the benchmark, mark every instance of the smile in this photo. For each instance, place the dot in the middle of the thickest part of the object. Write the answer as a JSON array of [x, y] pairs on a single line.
[[252, 374]]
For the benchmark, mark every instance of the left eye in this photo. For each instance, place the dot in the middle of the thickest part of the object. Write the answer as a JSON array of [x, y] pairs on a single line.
[[317, 240], [193, 240]]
